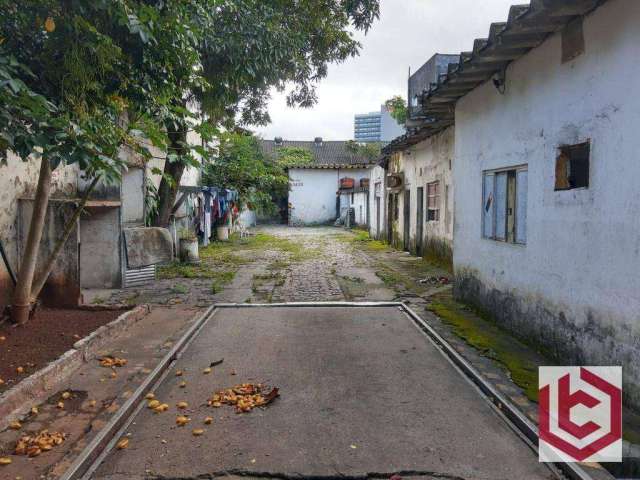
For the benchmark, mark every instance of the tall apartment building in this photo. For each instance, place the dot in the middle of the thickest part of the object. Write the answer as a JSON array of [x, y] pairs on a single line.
[[376, 127]]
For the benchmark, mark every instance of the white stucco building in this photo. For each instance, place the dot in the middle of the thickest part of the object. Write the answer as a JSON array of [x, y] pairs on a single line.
[[321, 190], [546, 234]]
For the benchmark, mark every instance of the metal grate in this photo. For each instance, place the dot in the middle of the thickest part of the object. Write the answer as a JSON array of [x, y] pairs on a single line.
[[139, 276]]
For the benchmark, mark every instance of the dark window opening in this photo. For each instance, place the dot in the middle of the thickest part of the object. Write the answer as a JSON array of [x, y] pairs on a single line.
[[572, 166]]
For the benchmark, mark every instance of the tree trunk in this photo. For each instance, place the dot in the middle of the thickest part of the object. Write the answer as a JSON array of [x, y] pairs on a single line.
[[39, 282], [21, 300], [168, 189]]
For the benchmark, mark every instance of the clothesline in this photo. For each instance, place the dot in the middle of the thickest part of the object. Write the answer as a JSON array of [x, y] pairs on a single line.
[[212, 205]]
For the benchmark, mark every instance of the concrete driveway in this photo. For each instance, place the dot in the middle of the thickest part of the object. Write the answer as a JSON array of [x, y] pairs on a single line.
[[363, 394]]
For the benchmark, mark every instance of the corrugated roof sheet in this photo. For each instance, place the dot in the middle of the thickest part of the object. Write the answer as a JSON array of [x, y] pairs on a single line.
[[526, 27], [328, 154]]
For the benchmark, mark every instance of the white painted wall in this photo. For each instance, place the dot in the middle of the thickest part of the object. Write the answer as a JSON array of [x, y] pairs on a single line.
[[359, 206], [377, 227], [582, 256], [312, 193]]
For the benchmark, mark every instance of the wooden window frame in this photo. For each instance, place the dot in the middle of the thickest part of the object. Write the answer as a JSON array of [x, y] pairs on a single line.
[[433, 210]]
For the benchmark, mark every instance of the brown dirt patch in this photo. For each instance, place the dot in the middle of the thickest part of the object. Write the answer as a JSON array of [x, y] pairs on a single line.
[[44, 338]]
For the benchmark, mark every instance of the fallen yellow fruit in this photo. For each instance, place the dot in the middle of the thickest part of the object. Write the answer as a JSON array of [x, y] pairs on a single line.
[[161, 408], [182, 405], [182, 420], [60, 405], [179, 373], [207, 370], [15, 425], [208, 421], [197, 432], [124, 443], [5, 461], [153, 403], [20, 369], [183, 384], [150, 396], [66, 395]]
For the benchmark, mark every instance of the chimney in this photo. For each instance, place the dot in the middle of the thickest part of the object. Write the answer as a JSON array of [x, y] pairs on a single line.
[[278, 141], [318, 141]]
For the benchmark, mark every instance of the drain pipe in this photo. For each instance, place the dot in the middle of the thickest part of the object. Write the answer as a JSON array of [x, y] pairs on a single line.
[[6, 263]]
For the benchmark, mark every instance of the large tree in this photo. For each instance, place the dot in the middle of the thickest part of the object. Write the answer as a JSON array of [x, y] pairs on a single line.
[[245, 49], [62, 80]]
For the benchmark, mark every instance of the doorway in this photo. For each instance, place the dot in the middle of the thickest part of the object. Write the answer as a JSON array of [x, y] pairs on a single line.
[[378, 217], [391, 216], [407, 218], [419, 220]]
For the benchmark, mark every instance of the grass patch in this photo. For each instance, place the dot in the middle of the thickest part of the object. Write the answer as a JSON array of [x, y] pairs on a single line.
[[362, 239], [183, 270], [223, 278], [484, 335], [179, 288], [394, 279]]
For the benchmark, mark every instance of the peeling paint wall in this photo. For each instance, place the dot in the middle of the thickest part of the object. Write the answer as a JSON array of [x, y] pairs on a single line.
[[18, 179], [429, 161], [312, 193], [62, 288], [574, 287]]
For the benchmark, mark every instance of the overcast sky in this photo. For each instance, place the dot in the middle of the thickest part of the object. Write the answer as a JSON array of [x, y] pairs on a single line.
[[407, 34]]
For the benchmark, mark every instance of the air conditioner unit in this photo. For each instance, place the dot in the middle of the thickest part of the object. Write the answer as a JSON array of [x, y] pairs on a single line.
[[394, 181]]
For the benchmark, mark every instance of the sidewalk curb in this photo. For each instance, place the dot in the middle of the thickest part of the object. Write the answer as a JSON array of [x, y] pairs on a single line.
[[17, 401]]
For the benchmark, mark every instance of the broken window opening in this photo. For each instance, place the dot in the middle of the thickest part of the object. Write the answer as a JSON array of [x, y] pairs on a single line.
[[572, 166], [433, 201], [504, 205]]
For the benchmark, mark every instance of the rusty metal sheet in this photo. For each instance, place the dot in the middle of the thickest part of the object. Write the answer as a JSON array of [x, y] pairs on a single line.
[[146, 246]]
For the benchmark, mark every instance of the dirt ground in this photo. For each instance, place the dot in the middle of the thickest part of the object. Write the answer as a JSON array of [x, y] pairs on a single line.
[[85, 403], [49, 334]]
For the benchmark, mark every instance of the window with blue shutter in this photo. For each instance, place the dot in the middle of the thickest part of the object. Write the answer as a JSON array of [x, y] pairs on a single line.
[[504, 205]]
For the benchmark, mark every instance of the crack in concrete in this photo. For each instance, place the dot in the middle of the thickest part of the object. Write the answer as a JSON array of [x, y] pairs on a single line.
[[299, 476]]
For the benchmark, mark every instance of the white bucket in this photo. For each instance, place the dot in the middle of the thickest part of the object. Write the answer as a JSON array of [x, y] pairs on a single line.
[[222, 234]]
